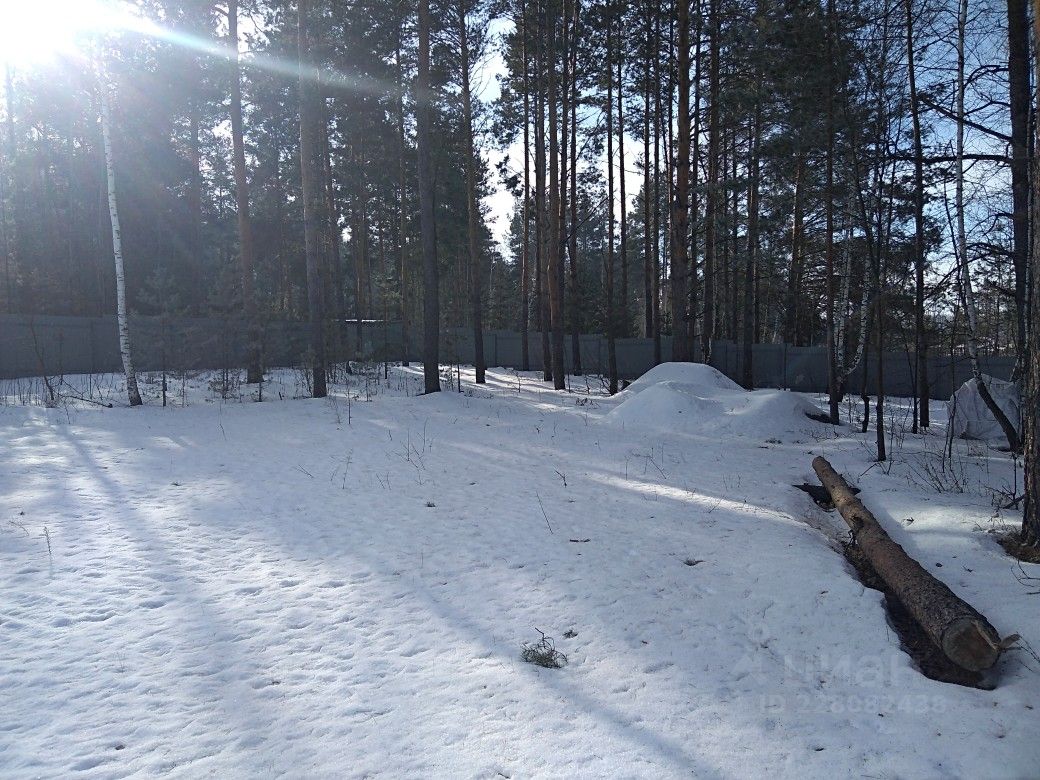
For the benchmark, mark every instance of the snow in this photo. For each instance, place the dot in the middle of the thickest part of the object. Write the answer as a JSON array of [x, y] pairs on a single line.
[[970, 418], [698, 399], [341, 588]]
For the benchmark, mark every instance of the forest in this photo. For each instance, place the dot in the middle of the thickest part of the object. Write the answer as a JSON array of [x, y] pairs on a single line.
[[854, 175], [696, 503]]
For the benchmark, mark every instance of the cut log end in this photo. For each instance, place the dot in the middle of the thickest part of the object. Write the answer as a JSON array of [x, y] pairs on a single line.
[[971, 645], [962, 633]]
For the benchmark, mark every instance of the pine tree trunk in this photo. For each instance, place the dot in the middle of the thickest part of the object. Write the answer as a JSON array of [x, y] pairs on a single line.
[[833, 396], [427, 224], [334, 258], [681, 347], [648, 263], [922, 418], [711, 197], [576, 318], [476, 269], [541, 228], [311, 194], [791, 329], [751, 258], [656, 290], [623, 216], [960, 631], [612, 376], [402, 229], [1031, 408], [525, 251], [132, 392], [254, 371], [555, 269], [10, 199]]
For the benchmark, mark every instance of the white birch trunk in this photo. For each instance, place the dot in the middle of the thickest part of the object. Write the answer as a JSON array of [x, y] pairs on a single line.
[[967, 293], [132, 391]]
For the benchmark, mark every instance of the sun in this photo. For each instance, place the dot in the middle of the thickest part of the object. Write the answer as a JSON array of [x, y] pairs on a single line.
[[37, 31]]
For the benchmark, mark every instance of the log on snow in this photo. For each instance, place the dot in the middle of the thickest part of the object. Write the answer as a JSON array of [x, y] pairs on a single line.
[[956, 628]]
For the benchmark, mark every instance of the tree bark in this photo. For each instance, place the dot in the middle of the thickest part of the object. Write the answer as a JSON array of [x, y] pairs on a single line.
[[402, 235], [961, 632], [681, 347], [1018, 88], [427, 218], [575, 292], [540, 220], [525, 252], [648, 263], [623, 205], [967, 293], [922, 417], [751, 259], [476, 268], [311, 193], [711, 196], [254, 370], [612, 376], [555, 268], [833, 396], [132, 391], [1031, 410]]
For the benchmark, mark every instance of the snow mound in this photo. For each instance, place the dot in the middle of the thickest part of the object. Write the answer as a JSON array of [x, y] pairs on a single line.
[[686, 373], [698, 399], [970, 418]]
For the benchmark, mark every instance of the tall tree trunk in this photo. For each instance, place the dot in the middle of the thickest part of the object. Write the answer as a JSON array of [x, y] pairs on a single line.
[[402, 228], [711, 199], [132, 392], [681, 347], [693, 190], [967, 293], [254, 371], [525, 252], [476, 268], [555, 269], [648, 262], [310, 115], [1031, 409], [10, 196], [656, 290], [334, 258], [791, 330], [195, 180], [576, 318], [541, 227], [623, 221], [427, 223], [612, 376], [751, 258], [1018, 87], [922, 417], [833, 396]]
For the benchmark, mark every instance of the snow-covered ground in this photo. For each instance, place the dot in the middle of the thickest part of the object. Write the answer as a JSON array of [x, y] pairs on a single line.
[[341, 588]]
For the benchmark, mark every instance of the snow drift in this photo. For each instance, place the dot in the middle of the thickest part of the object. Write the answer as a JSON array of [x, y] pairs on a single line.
[[970, 418], [696, 398]]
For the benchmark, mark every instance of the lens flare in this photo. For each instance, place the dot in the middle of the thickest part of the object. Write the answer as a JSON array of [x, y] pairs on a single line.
[[39, 31]]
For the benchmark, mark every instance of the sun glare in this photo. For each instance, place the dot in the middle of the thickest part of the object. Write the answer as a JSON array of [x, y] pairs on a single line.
[[38, 31]]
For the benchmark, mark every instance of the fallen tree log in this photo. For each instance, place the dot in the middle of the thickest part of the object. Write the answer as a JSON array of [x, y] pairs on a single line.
[[961, 632]]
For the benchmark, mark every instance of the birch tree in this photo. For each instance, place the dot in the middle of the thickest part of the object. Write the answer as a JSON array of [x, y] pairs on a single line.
[[133, 394], [963, 259]]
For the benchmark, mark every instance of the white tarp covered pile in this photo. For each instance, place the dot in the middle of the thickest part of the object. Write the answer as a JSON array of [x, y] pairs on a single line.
[[971, 419]]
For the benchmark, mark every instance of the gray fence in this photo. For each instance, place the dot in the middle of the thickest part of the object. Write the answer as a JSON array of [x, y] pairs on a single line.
[[31, 346]]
